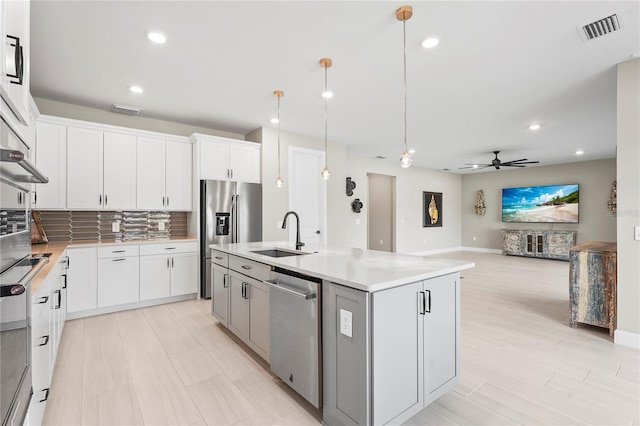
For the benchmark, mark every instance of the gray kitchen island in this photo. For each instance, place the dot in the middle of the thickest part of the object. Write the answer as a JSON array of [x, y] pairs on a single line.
[[387, 324]]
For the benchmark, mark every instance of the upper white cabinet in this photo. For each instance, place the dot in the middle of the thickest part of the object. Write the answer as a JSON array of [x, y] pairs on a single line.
[[14, 81], [163, 174], [101, 170], [226, 159], [51, 159]]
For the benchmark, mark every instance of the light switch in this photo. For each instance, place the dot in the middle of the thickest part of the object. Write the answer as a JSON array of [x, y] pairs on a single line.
[[346, 323], [115, 226], [636, 233]]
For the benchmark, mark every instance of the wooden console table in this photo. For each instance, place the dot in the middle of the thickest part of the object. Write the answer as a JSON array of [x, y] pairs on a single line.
[[538, 243], [593, 284]]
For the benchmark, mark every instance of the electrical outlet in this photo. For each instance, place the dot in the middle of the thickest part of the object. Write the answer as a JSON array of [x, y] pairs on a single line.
[[346, 323], [115, 226], [636, 233], [357, 221], [474, 238], [161, 225], [381, 242]]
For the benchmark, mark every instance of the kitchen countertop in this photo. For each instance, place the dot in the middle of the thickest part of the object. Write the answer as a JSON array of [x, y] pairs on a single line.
[[366, 270], [57, 249]]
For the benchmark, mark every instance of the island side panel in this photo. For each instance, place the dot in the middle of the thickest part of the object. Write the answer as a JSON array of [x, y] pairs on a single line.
[[346, 360]]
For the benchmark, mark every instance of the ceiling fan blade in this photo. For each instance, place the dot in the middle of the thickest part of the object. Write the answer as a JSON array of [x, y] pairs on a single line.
[[526, 162], [515, 161], [476, 164], [512, 165]]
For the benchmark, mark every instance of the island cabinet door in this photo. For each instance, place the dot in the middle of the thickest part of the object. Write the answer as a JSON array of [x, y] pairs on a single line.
[[238, 305], [220, 293], [441, 343], [397, 358]]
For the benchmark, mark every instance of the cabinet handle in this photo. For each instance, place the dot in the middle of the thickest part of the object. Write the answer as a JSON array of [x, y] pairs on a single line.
[[169, 248], [105, 200], [46, 395], [231, 173], [59, 293], [428, 304], [244, 290], [118, 260], [218, 257], [162, 201], [35, 197], [167, 201], [246, 267], [172, 262], [46, 340], [64, 285], [43, 300], [421, 303], [167, 262], [19, 61], [100, 199], [224, 281], [118, 251]]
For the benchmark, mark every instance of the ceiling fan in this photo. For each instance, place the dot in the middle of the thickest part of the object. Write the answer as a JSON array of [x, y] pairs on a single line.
[[497, 163]]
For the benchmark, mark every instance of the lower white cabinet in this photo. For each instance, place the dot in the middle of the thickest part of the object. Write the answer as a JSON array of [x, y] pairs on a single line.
[[249, 312], [82, 279], [220, 293], [41, 350], [118, 275], [168, 269]]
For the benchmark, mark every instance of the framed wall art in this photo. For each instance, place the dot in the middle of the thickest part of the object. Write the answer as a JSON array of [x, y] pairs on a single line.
[[431, 209]]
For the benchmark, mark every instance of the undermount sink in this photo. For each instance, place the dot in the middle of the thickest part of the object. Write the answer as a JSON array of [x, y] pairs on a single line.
[[277, 253]]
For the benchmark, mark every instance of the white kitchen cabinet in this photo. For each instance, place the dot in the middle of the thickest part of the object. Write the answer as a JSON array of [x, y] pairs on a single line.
[[163, 174], [58, 307], [41, 353], [238, 305], [51, 159], [101, 170], [118, 275], [82, 279], [168, 269], [226, 159], [15, 54]]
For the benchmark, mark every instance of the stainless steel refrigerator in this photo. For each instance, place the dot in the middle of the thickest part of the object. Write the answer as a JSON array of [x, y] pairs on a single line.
[[230, 212]]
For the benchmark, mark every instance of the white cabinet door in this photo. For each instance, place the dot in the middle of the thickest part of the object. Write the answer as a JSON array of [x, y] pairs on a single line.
[[151, 174], [397, 353], [15, 32], [440, 331], [178, 176], [42, 342], [238, 305], [214, 160], [118, 281], [220, 293], [155, 277], [84, 169], [82, 279], [244, 163], [119, 171], [51, 159], [258, 330], [184, 278]]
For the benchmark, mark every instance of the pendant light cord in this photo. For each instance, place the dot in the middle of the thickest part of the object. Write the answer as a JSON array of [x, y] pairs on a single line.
[[279, 137], [404, 44], [325, 118]]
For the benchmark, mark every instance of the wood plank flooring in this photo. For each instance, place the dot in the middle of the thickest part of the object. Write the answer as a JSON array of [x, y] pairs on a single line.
[[520, 363]]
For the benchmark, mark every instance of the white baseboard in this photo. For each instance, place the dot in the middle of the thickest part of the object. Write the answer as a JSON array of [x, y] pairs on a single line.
[[482, 250], [436, 251], [626, 338], [125, 307]]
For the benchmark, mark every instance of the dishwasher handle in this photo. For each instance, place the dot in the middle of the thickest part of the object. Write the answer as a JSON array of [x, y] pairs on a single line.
[[274, 284]]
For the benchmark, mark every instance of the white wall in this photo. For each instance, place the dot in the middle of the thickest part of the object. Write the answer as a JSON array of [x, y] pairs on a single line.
[[594, 177], [628, 163]]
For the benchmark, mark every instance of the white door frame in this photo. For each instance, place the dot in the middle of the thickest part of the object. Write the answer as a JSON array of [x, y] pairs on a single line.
[[323, 187]]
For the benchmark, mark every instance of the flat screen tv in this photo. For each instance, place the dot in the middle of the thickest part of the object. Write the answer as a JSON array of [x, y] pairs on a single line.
[[541, 204]]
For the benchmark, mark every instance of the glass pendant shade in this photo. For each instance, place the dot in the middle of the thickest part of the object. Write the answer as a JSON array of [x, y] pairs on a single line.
[[326, 173], [405, 160], [279, 182]]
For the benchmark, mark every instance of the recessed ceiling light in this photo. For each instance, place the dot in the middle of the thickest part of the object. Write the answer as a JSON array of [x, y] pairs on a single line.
[[275, 120], [328, 94], [136, 89], [157, 37], [534, 127], [579, 152], [430, 42]]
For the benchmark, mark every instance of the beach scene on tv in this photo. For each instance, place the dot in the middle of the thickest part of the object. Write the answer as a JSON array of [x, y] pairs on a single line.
[[553, 203]]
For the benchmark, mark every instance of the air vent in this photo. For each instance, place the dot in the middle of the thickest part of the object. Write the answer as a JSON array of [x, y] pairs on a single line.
[[600, 27], [380, 157], [123, 109]]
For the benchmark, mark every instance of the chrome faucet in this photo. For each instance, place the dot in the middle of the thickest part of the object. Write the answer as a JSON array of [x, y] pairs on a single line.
[[299, 244]]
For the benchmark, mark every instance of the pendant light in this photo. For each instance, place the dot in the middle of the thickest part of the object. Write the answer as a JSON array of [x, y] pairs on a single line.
[[326, 64], [404, 13], [278, 94]]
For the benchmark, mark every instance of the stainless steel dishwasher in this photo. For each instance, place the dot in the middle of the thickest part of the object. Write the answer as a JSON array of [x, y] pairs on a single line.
[[296, 345]]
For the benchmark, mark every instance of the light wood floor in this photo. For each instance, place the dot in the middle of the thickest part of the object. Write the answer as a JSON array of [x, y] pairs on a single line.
[[520, 363]]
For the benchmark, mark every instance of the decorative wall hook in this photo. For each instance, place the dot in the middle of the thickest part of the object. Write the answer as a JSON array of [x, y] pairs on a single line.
[[612, 204], [480, 207], [357, 205], [351, 185]]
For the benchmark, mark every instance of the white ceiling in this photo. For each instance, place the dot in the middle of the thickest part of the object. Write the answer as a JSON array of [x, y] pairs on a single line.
[[499, 67]]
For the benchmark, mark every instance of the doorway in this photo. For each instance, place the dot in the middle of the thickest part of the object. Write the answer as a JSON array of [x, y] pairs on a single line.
[[308, 195], [381, 233]]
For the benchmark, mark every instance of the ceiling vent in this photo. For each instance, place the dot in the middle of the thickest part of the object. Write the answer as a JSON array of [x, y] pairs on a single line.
[[123, 109], [600, 27]]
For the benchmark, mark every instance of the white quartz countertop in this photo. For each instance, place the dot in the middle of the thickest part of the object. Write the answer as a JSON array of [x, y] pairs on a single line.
[[366, 270]]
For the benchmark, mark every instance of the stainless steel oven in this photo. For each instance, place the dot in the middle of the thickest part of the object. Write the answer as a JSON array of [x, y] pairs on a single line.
[[17, 268]]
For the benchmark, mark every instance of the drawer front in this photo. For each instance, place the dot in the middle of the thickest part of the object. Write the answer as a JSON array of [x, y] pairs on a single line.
[[220, 258], [169, 248], [118, 251], [256, 270]]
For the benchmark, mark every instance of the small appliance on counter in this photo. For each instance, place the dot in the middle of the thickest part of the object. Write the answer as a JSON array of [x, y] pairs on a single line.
[[230, 212]]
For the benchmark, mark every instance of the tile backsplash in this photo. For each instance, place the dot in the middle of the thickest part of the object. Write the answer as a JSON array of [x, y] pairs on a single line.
[[98, 225]]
